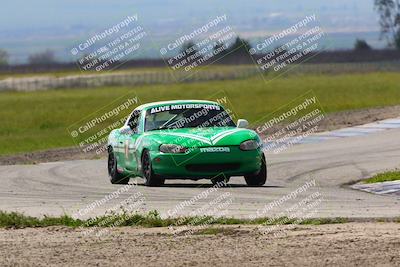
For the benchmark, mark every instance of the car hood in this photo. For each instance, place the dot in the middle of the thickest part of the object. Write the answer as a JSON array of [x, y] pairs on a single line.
[[202, 137]]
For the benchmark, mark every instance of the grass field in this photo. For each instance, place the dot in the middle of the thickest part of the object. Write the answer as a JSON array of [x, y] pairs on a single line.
[[151, 219], [384, 177], [38, 120]]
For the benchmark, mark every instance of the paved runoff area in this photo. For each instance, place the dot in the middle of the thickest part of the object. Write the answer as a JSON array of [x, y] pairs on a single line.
[[313, 176], [384, 188]]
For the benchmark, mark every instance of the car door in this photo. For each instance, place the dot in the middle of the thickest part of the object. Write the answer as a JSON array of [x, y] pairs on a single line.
[[129, 135]]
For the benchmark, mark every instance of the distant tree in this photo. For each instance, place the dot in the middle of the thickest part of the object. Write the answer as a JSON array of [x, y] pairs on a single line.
[[220, 49], [190, 54], [361, 45], [187, 45], [3, 57], [190, 49], [44, 57], [239, 46], [279, 50], [389, 21], [218, 46], [397, 40]]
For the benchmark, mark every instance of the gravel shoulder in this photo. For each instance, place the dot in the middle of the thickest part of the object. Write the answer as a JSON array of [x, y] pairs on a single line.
[[334, 121], [350, 244]]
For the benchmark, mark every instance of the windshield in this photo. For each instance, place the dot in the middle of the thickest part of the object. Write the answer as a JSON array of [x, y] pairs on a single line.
[[187, 116]]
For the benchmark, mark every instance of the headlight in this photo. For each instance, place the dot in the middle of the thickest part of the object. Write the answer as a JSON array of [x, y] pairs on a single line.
[[249, 145], [169, 148]]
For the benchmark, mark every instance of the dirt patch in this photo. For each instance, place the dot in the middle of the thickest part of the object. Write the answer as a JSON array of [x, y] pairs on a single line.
[[351, 244], [358, 117], [334, 121], [50, 155]]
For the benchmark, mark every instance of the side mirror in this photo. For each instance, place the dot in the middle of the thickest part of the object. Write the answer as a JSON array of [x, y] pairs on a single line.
[[133, 129], [242, 123], [132, 125]]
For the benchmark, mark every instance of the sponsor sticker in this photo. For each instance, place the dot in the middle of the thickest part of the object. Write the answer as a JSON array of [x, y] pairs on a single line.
[[215, 149], [184, 106]]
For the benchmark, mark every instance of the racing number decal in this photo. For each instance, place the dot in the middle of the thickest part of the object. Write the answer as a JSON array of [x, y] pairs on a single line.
[[126, 149]]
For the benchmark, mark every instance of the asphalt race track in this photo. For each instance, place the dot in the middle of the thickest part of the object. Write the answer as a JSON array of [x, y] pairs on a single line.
[[66, 187]]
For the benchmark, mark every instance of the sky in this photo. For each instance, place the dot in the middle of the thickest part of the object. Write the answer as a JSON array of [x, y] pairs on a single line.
[[31, 26]]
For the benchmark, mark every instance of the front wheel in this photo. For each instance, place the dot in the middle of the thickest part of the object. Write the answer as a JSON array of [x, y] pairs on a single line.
[[115, 176], [150, 179], [260, 178]]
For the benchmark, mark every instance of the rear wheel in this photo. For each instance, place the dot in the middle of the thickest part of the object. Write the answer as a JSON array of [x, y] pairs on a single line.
[[260, 178], [115, 176], [150, 179]]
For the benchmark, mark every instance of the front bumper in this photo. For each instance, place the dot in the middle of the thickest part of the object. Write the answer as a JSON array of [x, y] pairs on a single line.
[[196, 164]]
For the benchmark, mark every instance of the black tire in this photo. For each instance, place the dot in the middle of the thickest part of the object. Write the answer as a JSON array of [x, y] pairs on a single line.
[[260, 178], [115, 177], [150, 179], [220, 179]]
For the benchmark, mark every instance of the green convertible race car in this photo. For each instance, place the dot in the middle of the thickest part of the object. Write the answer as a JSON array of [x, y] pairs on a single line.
[[185, 139]]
